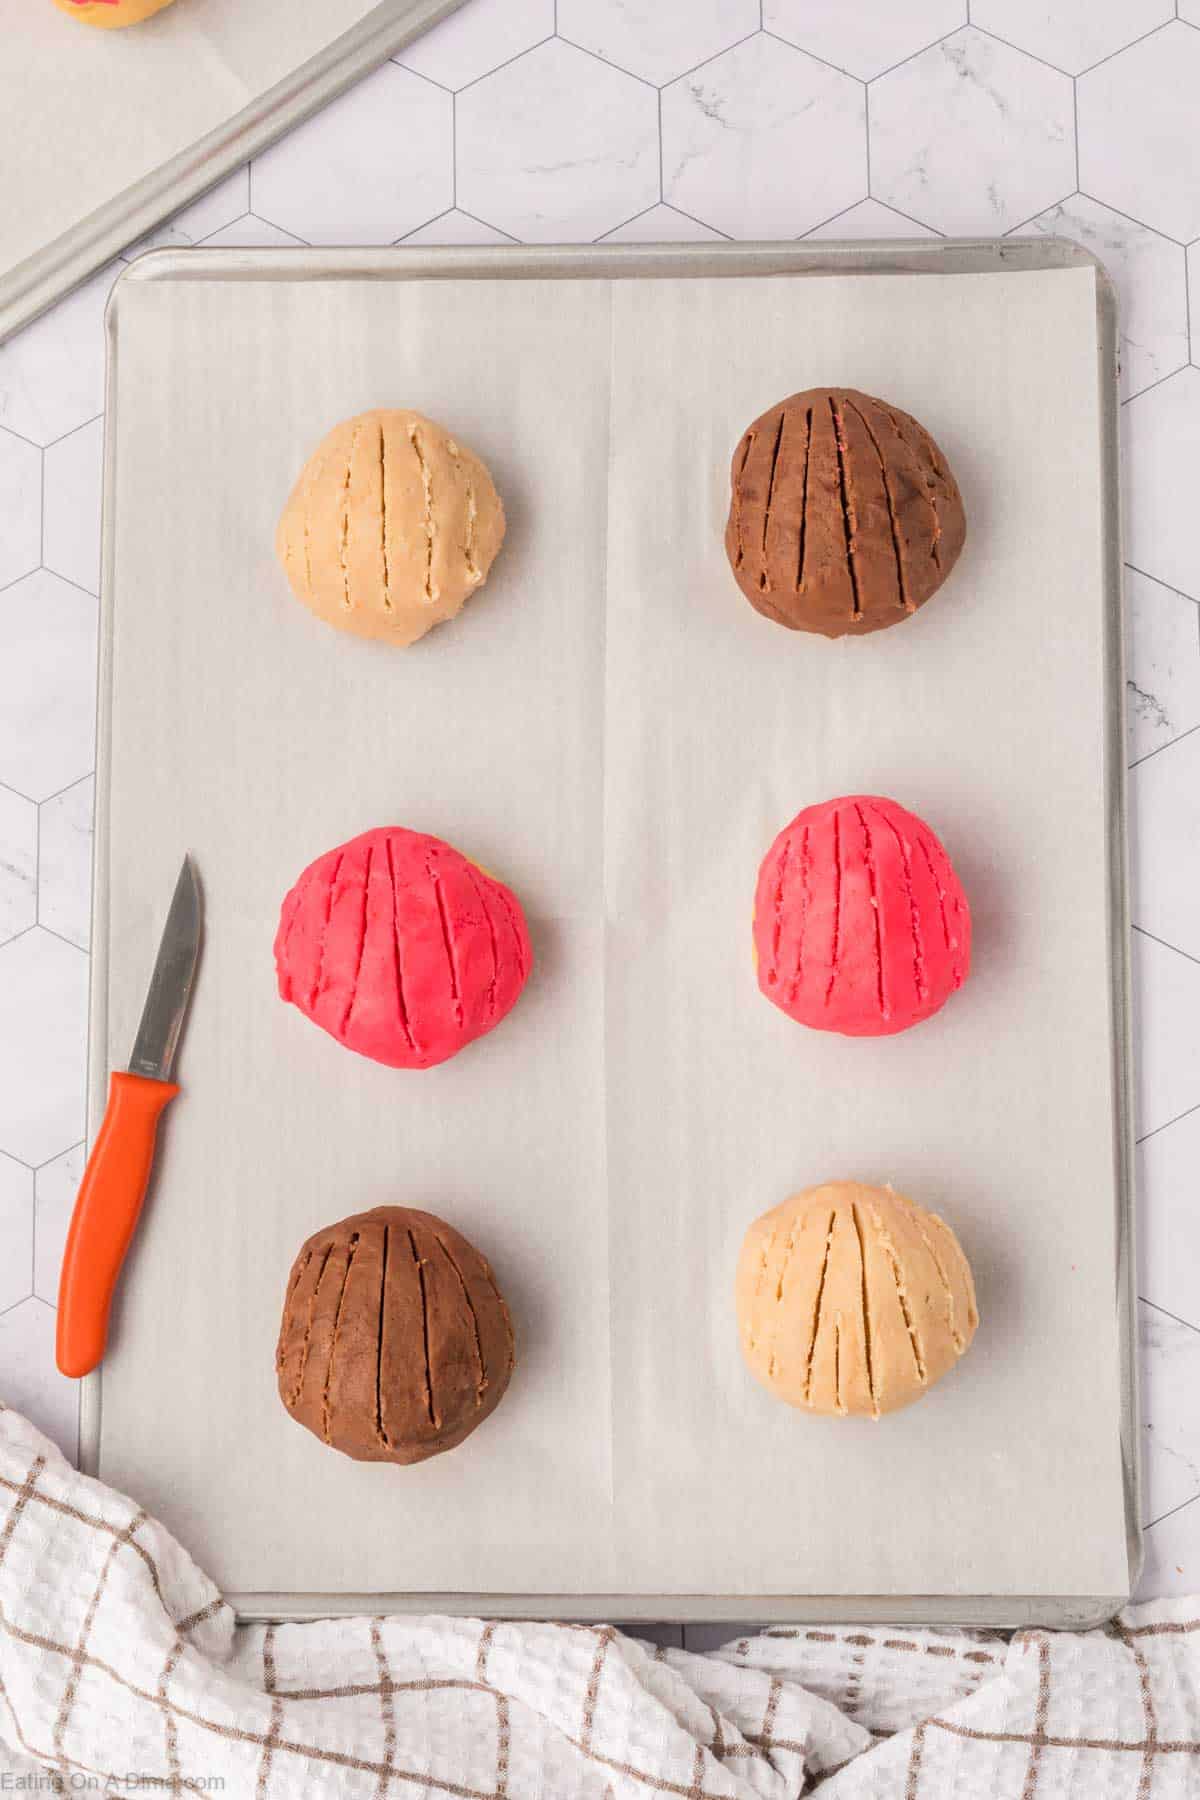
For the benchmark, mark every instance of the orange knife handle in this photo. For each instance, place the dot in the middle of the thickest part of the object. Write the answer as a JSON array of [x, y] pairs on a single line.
[[106, 1212]]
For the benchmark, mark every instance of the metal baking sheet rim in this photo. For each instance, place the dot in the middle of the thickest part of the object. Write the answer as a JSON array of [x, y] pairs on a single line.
[[31, 286], [949, 256]]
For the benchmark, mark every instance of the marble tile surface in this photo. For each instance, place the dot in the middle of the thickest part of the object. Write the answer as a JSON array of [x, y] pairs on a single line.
[[1168, 1178], [1071, 34], [471, 43], [52, 373], [971, 136], [457, 227], [32, 1384], [1160, 443], [1167, 1044], [1170, 1425], [55, 1186], [732, 128], [1139, 131], [871, 219], [865, 39], [71, 506], [43, 1000], [376, 163], [654, 41], [557, 144], [18, 864], [47, 684], [1164, 793], [635, 120], [20, 508], [16, 1231], [64, 862], [662, 225], [1150, 275], [1162, 665]]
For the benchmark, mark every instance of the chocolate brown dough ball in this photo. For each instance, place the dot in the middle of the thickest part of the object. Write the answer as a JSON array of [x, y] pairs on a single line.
[[844, 516], [396, 1342]]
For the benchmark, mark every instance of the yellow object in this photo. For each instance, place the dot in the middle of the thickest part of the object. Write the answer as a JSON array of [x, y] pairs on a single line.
[[110, 15], [852, 1299]]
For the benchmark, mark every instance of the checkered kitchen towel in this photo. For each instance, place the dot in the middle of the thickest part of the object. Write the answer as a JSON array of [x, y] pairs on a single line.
[[122, 1671]]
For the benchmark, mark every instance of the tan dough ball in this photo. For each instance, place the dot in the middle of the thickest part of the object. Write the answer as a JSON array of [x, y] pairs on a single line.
[[390, 527], [852, 1299]]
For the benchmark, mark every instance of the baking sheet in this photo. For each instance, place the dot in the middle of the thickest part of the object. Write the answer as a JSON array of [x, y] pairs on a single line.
[[612, 730], [104, 133]]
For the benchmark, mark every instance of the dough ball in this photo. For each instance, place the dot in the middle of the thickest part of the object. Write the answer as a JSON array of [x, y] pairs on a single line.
[[860, 923], [400, 948], [111, 14], [852, 1299], [844, 516], [395, 1342], [391, 526]]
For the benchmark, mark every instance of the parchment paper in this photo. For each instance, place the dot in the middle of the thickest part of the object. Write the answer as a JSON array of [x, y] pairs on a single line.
[[611, 728], [86, 113]]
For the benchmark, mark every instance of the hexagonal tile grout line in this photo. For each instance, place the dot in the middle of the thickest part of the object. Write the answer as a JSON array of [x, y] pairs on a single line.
[[1141, 930], [1075, 124], [1145, 573], [1167, 1313], [4, 589], [445, 214], [987, 32], [1158, 750], [1095, 199], [550, 38], [680, 212], [75, 429], [1013, 230], [608, 63], [853, 206], [7, 787], [75, 782], [79, 951], [398, 59], [1166, 1124], [1187, 296], [1172, 1510], [22, 439], [1100, 60], [866, 142], [37, 861], [622, 223], [777, 38], [1150, 387], [230, 223]]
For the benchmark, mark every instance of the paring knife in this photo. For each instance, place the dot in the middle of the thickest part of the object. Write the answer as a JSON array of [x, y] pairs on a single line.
[[118, 1169]]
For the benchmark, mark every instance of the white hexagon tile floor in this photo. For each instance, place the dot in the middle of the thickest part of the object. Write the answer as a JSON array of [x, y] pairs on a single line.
[[633, 121]]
